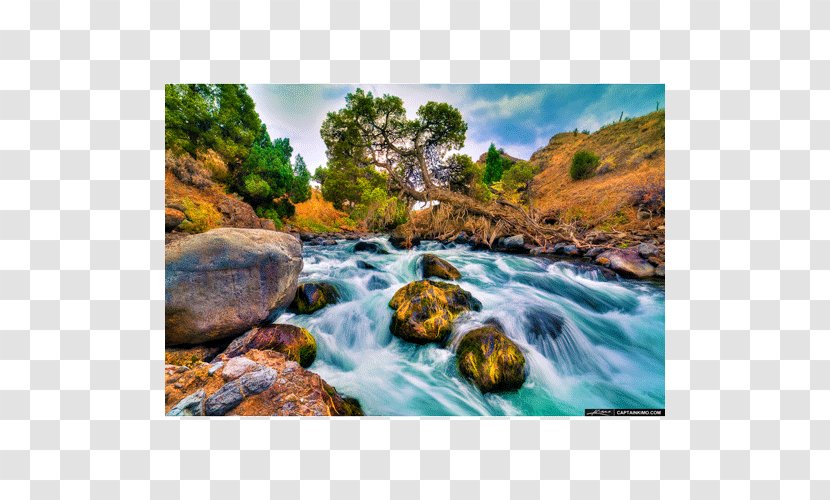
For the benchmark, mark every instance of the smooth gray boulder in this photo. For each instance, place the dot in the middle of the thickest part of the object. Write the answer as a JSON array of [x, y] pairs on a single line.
[[221, 283]]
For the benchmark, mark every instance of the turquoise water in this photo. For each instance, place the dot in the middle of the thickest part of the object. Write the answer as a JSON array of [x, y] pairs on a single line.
[[589, 342]]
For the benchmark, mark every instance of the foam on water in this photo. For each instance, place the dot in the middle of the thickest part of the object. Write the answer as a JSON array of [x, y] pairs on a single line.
[[589, 341]]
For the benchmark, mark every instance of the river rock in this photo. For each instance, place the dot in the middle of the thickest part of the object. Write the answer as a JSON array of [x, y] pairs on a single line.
[[627, 262], [461, 238], [189, 356], [490, 360], [432, 265], [564, 248], [425, 310], [377, 283], [172, 218], [313, 296], [221, 283], [647, 250], [369, 246], [268, 383], [594, 251], [514, 243], [296, 343], [362, 264]]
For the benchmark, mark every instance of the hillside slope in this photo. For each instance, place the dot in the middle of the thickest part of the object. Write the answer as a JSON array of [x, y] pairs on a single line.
[[626, 192]]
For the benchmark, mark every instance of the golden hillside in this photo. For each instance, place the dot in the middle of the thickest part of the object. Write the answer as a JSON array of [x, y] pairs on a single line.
[[629, 181]]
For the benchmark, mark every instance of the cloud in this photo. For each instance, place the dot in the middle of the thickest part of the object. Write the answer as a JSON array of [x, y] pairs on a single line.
[[506, 106]]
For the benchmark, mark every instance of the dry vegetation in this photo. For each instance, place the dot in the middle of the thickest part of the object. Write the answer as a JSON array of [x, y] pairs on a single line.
[[317, 215], [631, 175]]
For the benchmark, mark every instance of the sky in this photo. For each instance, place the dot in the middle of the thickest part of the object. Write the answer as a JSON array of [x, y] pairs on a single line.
[[518, 118]]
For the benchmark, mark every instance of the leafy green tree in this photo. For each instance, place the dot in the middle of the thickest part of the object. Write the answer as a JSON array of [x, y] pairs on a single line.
[[583, 165], [518, 176], [493, 165], [466, 177], [300, 188], [375, 132], [340, 182], [218, 117]]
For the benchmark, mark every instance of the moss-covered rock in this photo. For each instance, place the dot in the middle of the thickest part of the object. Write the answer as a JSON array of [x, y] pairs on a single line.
[[432, 265], [296, 343], [370, 246], [313, 296], [425, 310], [189, 356], [490, 360]]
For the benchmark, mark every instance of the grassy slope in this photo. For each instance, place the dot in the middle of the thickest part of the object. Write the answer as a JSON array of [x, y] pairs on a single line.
[[634, 150]]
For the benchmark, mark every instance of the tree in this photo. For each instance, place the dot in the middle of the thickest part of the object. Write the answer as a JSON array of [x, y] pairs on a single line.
[[300, 189], [493, 168], [218, 117], [465, 176], [375, 132]]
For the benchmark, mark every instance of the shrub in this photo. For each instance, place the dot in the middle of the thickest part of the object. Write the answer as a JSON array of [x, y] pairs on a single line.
[[201, 216], [215, 165], [583, 165]]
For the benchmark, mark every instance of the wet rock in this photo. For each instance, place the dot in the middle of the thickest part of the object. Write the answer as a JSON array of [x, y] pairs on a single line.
[[425, 310], [432, 265], [647, 250], [490, 360], [362, 264], [377, 283], [627, 262], [400, 239], [461, 238], [660, 271], [313, 296], [274, 385], [221, 283], [294, 342], [172, 218], [541, 250], [370, 246], [594, 251], [565, 249]]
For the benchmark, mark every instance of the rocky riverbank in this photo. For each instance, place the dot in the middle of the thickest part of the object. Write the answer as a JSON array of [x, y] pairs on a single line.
[[223, 288]]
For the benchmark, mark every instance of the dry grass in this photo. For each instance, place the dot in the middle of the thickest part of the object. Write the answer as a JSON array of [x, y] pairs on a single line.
[[317, 215], [634, 153]]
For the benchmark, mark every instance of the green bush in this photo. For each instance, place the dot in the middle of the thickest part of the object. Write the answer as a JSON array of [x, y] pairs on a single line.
[[201, 217], [583, 165]]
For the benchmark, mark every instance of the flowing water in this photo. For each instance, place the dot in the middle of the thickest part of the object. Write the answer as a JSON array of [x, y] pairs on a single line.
[[589, 341]]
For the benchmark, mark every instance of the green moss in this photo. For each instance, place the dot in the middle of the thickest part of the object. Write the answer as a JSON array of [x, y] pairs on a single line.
[[490, 360], [201, 216]]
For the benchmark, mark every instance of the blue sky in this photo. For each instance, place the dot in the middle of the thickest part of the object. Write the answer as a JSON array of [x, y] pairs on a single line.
[[518, 118]]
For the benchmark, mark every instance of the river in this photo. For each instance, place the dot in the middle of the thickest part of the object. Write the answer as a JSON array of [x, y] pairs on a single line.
[[589, 341]]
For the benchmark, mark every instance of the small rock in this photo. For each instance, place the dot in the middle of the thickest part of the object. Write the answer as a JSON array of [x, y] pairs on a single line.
[[189, 406], [628, 263], [660, 271], [647, 250], [515, 243], [565, 249], [313, 296], [594, 251], [432, 265], [267, 224], [461, 238], [236, 367], [362, 264], [369, 246], [377, 283], [425, 310]]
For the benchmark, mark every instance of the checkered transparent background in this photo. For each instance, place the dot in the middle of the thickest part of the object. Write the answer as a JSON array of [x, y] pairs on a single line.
[[81, 272]]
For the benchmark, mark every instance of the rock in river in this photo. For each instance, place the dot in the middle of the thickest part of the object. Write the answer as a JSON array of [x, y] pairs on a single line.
[[221, 283], [295, 342], [369, 246], [490, 360], [257, 383], [432, 265], [626, 262], [425, 310], [313, 296]]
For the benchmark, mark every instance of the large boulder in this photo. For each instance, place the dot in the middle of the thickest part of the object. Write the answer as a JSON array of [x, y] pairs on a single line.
[[425, 310], [432, 265], [627, 262], [490, 360], [313, 296], [221, 283], [295, 342], [369, 246], [403, 240], [256, 383]]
